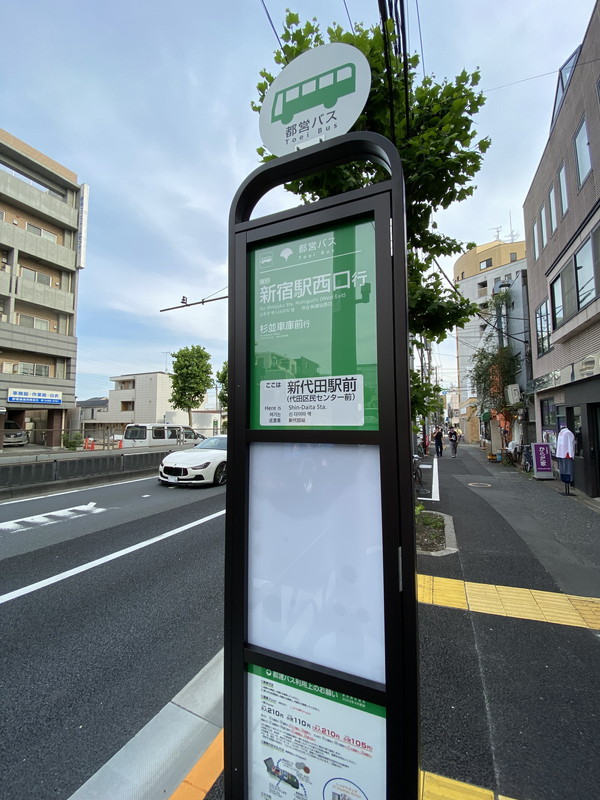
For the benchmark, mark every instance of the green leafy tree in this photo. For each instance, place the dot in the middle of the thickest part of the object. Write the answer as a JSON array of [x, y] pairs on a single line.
[[222, 377], [191, 378], [492, 370], [440, 152]]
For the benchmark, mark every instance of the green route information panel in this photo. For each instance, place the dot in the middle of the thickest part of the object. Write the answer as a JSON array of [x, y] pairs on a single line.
[[309, 743], [313, 330]]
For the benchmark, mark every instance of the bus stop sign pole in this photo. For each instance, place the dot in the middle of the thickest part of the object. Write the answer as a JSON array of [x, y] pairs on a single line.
[[320, 598]]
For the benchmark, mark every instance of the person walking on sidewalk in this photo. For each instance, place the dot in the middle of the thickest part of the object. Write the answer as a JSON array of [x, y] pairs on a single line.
[[453, 439], [438, 438]]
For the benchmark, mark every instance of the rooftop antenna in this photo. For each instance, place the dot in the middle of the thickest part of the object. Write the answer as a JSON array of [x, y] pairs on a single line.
[[498, 229], [514, 235], [166, 354]]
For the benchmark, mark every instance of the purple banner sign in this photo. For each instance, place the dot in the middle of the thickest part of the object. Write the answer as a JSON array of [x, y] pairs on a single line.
[[542, 461]]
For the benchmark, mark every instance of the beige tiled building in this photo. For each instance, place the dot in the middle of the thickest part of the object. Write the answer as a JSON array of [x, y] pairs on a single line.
[[562, 222], [43, 211]]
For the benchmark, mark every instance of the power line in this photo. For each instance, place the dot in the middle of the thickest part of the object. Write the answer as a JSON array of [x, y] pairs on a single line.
[[420, 35], [388, 68], [349, 20], [477, 313], [273, 27], [534, 77]]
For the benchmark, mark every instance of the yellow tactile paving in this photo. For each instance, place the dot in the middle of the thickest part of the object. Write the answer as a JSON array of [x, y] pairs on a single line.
[[425, 588], [448, 592], [484, 598], [559, 608], [589, 608], [435, 787], [510, 601]]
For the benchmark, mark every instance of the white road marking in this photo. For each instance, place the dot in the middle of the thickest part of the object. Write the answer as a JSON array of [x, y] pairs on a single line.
[[435, 483], [75, 491], [49, 518], [104, 560]]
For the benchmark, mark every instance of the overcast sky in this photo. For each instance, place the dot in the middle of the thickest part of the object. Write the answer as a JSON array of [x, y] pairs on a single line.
[[149, 103]]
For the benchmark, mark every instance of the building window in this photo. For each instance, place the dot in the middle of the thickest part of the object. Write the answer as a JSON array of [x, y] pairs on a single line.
[[34, 322], [582, 152], [42, 232], [28, 368], [38, 277], [575, 424], [584, 274], [548, 413], [577, 285], [542, 328], [552, 209], [127, 405], [562, 186], [535, 240], [513, 257], [485, 264], [482, 289], [543, 226]]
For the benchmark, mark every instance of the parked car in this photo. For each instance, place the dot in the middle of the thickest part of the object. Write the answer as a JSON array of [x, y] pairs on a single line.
[[14, 435], [204, 463]]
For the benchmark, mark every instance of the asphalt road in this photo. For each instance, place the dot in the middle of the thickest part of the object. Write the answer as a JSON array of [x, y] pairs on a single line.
[[88, 660]]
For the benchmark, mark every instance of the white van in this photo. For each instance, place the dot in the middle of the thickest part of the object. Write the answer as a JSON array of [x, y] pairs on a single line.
[[146, 434]]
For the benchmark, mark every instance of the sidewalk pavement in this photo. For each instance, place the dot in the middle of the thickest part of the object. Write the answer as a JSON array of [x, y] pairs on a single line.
[[510, 702]]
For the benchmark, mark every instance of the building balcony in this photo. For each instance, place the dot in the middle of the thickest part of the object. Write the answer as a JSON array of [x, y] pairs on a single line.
[[13, 237], [45, 296], [37, 201]]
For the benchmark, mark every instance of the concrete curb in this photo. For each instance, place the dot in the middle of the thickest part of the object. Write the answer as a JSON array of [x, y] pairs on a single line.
[[451, 546], [154, 763]]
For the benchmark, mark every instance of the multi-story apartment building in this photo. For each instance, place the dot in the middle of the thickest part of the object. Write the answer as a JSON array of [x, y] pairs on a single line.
[[43, 211], [481, 273], [562, 219], [144, 397]]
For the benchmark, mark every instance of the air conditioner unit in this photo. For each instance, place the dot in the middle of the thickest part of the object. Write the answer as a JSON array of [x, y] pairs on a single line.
[[512, 394]]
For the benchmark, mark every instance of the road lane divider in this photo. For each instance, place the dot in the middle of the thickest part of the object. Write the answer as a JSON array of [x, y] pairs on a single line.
[[62, 576]]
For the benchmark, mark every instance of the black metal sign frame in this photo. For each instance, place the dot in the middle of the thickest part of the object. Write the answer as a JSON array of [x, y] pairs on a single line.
[[398, 694]]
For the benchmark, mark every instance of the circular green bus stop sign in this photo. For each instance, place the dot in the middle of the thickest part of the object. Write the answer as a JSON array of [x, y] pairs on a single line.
[[317, 96]]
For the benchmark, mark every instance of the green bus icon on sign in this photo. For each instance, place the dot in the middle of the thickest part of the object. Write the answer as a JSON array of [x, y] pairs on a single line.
[[324, 89]]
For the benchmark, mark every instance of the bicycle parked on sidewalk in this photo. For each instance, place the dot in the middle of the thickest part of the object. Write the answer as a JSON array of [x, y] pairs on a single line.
[[527, 458], [418, 475]]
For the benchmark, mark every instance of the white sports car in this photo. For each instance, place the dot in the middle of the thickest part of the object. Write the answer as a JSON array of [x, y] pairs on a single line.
[[204, 463]]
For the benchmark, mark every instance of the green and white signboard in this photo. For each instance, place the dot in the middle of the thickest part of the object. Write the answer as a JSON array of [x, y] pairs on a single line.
[[318, 95], [314, 360]]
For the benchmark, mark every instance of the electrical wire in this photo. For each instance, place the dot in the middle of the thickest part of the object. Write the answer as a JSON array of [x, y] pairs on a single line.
[[273, 27], [420, 35], [477, 313], [388, 68], [534, 77], [349, 19]]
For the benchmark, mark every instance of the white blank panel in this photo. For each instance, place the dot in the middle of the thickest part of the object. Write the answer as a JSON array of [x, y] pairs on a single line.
[[315, 571]]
